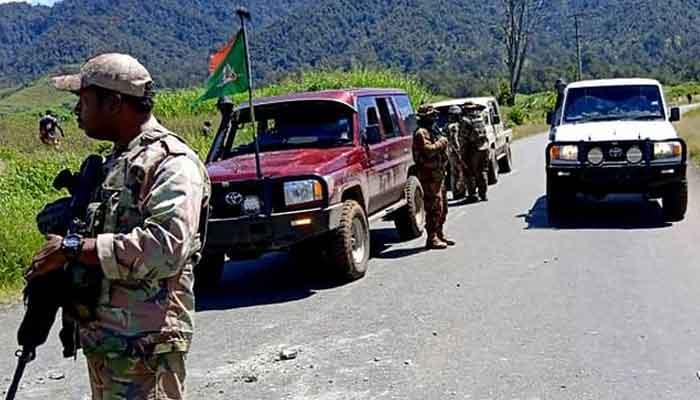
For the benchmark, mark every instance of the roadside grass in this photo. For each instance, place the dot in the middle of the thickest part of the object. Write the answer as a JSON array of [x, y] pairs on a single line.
[[689, 129], [29, 166]]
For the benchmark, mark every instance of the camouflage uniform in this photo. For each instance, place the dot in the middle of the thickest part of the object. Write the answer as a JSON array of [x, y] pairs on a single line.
[[430, 156], [146, 218], [456, 163], [475, 152]]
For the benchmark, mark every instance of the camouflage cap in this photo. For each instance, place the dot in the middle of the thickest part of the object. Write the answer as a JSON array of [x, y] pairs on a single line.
[[455, 110], [118, 72], [427, 111]]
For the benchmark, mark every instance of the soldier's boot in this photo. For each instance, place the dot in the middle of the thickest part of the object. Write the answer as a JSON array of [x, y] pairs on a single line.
[[484, 197], [472, 198], [434, 243], [441, 235]]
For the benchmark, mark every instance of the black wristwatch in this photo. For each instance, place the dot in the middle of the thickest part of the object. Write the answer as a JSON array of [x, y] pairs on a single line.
[[71, 246]]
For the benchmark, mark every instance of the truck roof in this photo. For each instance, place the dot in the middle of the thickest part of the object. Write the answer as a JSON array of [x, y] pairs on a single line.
[[458, 102], [345, 96], [613, 82]]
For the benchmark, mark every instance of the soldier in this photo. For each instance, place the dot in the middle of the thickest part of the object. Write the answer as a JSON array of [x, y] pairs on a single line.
[[559, 87], [206, 129], [145, 221], [50, 131], [475, 146], [459, 189], [690, 98], [430, 156]]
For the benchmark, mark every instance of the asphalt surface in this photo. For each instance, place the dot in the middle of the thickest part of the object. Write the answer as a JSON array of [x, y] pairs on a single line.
[[604, 307]]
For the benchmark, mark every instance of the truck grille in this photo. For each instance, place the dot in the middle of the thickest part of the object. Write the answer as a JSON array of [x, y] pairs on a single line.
[[615, 153], [227, 199]]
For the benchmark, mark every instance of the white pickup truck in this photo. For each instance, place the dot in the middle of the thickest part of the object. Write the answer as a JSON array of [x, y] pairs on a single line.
[[616, 136]]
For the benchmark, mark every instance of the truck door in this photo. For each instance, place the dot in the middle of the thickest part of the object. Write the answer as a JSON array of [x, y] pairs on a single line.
[[378, 156], [497, 126], [398, 146]]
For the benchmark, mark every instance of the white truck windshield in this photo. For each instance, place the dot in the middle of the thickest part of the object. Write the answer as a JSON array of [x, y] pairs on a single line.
[[614, 103]]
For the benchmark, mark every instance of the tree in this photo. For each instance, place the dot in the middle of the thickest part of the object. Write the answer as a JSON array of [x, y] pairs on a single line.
[[520, 19]]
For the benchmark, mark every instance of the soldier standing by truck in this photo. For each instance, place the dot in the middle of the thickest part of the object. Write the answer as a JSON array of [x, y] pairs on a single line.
[[145, 236], [430, 155], [459, 189], [475, 148]]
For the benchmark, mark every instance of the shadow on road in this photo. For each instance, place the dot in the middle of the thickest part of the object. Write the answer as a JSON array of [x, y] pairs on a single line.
[[382, 241], [616, 212], [271, 279], [275, 277]]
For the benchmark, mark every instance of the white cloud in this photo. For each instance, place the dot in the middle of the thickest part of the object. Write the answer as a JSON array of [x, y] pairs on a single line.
[[44, 2]]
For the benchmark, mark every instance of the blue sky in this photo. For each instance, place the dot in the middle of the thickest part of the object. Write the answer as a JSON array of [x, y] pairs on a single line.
[[45, 2]]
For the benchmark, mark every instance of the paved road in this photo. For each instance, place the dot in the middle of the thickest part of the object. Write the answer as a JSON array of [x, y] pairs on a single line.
[[604, 308]]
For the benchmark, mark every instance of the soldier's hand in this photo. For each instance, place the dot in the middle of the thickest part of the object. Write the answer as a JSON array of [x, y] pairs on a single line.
[[443, 142], [48, 259]]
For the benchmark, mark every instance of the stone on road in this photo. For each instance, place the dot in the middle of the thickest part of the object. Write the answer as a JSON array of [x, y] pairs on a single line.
[[603, 307]]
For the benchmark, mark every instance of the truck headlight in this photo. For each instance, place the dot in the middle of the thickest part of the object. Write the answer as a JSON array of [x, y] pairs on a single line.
[[595, 156], [668, 151], [567, 153], [302, 192], [635, 155]]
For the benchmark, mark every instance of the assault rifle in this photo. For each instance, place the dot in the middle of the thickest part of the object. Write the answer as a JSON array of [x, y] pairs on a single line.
[[45, 295]]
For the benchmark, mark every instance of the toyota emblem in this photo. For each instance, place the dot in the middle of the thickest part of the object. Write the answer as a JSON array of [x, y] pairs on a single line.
[[616, 152], [234, 199]]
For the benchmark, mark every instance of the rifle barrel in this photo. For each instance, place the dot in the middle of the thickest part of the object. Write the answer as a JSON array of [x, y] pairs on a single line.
[[24, 358]]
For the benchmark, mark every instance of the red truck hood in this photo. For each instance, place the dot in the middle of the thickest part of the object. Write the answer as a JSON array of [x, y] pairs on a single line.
[[283, 163]]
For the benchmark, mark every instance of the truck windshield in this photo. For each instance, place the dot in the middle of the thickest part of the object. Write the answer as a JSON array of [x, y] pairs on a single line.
[[302, 124], [614, 103]]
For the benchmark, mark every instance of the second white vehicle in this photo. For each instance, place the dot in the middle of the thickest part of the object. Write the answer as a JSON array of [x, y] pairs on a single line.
[[616, 136]]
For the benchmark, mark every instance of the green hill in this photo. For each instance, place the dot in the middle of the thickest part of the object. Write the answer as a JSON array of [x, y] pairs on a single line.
[[451, 44]]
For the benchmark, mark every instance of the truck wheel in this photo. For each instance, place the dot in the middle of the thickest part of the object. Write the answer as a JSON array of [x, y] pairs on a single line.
[[349, 244], [558, 199], [493, 169], [505, 164], [207, 274], [675, 202], [410, 220]]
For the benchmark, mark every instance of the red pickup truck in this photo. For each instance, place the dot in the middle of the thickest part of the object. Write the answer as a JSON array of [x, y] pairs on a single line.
[[330, 163]]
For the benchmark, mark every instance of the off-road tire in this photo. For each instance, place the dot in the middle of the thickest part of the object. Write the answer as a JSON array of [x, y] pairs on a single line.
[[505, 164], [410, 220], [493, 169], [675, 202], [343, 242], [207, 274], [557, 199]]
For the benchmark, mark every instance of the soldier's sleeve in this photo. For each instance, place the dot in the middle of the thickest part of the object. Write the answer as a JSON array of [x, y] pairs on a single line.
[[161, 247], [423, 144]]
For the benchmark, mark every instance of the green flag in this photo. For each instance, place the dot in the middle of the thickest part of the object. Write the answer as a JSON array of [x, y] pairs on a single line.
[[228, 69]]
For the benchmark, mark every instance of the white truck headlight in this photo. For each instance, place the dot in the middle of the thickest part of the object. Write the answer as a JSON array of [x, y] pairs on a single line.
[[595, 156], [668, 151], [634, 155], [568, 153], [302, 192]]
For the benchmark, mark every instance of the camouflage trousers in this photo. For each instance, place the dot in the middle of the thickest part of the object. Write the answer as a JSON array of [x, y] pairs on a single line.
[[158, 377], [435, 201], [477, 173], [457, 181]]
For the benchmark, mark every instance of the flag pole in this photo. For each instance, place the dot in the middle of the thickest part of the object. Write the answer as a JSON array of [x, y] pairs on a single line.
[[244, 15]]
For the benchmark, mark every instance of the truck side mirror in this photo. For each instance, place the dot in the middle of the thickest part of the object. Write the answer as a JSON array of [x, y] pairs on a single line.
[[550, 118], [675, 114], [372, 135]]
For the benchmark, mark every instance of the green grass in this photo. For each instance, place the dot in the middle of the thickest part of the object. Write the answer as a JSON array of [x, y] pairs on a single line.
[[28, 167], [689, 129], [36, 97]]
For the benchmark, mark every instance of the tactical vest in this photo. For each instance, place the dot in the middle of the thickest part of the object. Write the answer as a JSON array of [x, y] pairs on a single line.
[[118, 209]]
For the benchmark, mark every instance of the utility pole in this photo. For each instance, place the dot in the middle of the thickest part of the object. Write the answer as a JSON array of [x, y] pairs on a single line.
[[578, 47]]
